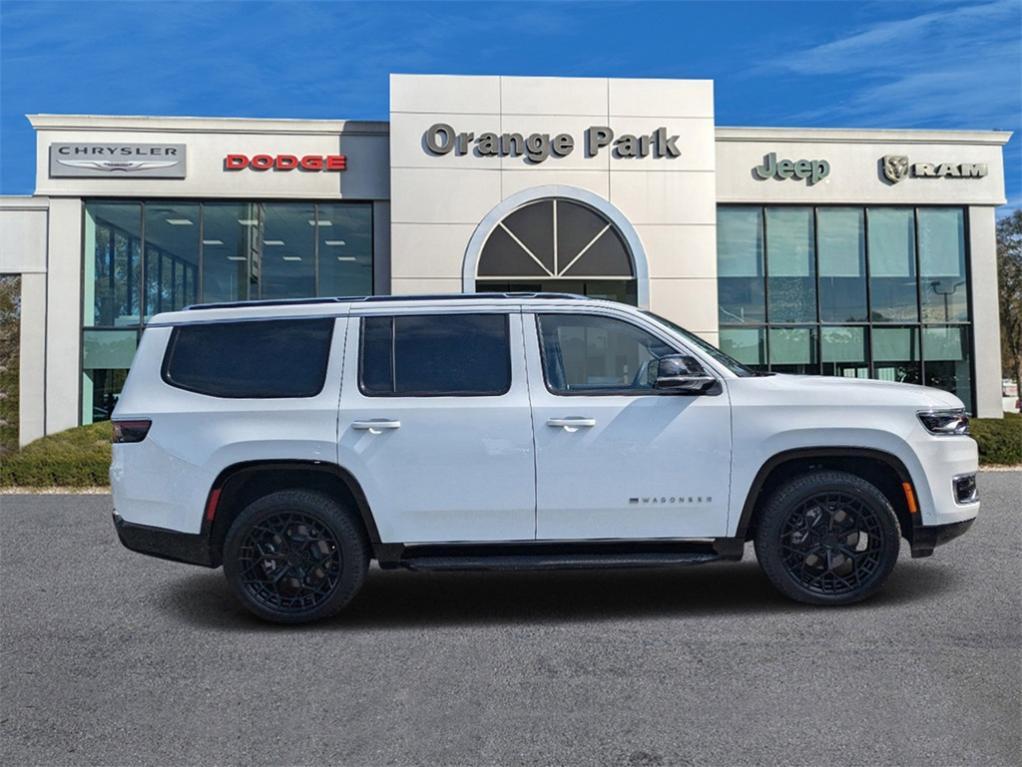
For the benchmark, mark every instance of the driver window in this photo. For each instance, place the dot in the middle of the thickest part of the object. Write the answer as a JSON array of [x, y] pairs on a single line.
[[601, 355]]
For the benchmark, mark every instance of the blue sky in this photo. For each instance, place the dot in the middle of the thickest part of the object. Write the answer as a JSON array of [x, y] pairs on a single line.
[[841, 64]]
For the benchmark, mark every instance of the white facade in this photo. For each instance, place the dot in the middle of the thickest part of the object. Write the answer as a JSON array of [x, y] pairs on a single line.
[[434, 210]]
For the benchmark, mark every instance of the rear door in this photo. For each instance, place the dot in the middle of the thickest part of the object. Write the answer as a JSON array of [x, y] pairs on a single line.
[[435, 424], [615, 457]]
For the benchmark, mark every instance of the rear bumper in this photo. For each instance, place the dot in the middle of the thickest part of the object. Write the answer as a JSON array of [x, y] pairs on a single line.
[[925, 539], [165, 544]]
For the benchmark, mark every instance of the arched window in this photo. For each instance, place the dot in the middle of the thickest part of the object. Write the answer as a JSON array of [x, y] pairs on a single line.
[[555, 239]]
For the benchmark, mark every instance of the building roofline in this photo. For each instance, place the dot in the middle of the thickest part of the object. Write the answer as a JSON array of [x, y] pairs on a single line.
[[256, 125], [863, 135], [287, 126]]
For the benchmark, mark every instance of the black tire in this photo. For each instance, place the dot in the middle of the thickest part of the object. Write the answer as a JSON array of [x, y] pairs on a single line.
[[295, 556], [827, 538]]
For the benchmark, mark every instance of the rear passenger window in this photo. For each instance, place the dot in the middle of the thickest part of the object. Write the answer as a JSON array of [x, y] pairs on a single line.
[[265, 358], [435, 355]]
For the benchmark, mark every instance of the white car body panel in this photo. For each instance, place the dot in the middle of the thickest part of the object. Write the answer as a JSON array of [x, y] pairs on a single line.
[[457, 468], [652, 466], [489, 469]]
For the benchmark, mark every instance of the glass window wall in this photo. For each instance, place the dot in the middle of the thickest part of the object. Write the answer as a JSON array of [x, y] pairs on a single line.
[[879, 292], [142, 258]]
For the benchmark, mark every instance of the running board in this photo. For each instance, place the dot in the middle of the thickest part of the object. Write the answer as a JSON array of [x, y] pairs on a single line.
[[565, 561]]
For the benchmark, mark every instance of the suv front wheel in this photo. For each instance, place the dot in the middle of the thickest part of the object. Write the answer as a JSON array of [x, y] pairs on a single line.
[[295, 556], [827, 538]]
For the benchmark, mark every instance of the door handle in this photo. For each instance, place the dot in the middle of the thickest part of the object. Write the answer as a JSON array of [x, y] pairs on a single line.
[[376, 425], [572, 424]]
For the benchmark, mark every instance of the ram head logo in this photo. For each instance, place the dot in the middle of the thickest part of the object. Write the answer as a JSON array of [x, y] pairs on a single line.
[[895, 167]]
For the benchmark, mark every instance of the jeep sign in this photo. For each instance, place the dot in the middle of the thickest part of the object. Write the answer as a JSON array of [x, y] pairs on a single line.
[[810, 170]]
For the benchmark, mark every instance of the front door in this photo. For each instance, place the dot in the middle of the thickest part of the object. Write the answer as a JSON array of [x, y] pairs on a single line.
[[615, 457], [435, 424]]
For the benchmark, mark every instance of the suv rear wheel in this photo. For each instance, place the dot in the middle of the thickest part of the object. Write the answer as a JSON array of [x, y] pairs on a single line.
[[295, 556], [827, 538]]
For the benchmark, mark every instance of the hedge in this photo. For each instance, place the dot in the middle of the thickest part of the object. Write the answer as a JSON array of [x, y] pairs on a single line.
[[1000, 439], [77, 457], [81, 457]]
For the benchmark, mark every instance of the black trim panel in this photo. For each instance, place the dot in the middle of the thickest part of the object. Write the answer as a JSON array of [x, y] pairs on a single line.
[[345, 476], [557, 553], [164, 544], [925, 539], [808, 453]]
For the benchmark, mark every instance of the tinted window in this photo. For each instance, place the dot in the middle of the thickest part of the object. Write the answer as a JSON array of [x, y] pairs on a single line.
[[591, 354], [435, 355], [272, 358]]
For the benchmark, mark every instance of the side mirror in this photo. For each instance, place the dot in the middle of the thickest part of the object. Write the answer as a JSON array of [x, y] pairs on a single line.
[[682, 374]]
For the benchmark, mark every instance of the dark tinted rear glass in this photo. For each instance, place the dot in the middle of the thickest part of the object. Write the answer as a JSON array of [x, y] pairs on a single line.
[[271, 358], [435, 355]]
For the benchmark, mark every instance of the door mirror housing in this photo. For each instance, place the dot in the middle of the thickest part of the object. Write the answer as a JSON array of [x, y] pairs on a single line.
[[682, 374]]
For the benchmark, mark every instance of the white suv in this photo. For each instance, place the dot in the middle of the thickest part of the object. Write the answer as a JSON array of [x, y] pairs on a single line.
[[293, 441]]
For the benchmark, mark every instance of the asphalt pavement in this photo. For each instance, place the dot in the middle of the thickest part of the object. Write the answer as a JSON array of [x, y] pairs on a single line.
[[112, 658]]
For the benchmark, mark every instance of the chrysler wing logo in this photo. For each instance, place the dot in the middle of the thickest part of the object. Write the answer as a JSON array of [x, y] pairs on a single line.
[[895, 167], [123, 166]]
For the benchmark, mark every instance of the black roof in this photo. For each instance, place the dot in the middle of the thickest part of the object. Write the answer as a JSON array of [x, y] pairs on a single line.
[[380, 299]]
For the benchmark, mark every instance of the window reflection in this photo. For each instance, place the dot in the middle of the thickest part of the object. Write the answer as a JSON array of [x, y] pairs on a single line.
[[206, 252], [791, 267], [345, 246], [740, 286], [845, 299], [896, 354], [288, 265], [171, 257], [942, 265], [229, 248], [112, 266], [892, 264], [842, 264]]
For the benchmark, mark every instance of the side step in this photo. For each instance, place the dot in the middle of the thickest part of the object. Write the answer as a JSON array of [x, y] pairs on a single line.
[[558, 555], [556, 561]]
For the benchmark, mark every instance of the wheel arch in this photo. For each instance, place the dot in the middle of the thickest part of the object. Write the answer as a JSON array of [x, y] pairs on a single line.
[[885, 469], [239, 484]]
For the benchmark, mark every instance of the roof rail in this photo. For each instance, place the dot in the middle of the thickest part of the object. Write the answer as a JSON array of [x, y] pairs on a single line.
[[381, 299]]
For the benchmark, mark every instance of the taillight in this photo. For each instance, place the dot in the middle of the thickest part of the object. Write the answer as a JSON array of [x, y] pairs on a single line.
[[130, 431]]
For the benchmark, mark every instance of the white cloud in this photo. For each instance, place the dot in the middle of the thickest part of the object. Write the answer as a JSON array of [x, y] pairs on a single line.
[[953, 67]]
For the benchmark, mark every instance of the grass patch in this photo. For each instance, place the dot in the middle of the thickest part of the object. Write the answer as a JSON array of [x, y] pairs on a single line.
[[78, 457]]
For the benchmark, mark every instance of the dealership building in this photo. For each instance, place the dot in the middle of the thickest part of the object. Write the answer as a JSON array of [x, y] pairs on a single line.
[[863, 253]]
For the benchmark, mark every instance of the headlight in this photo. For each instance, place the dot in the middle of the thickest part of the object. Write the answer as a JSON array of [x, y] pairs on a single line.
[[945, 422]]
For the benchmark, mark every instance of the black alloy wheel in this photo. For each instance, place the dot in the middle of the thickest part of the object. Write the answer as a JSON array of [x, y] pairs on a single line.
[[290, 561], [295, 556], [831, 543], [829, 537]]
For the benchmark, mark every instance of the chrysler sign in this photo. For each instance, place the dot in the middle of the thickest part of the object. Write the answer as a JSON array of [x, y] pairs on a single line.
[[117, 160]]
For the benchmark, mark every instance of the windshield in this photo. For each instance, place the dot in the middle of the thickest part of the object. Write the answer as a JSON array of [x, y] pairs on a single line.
[[730, 363]]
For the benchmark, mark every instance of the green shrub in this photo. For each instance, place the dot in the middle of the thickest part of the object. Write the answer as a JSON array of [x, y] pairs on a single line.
[[77, 457], [1000, 439]]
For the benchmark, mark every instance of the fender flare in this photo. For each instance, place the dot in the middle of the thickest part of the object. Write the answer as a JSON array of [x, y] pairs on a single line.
[[248, 467], [804, 453]]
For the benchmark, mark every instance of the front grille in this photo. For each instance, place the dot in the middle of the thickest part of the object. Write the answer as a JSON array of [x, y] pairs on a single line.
[[965, 489]]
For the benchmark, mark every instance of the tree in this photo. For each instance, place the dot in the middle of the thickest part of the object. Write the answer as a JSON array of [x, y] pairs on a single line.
[[10, 310], [1009, 278]]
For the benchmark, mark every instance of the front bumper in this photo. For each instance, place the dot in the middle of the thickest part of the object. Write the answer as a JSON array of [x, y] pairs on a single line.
[[165, 544], [926, 538]]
